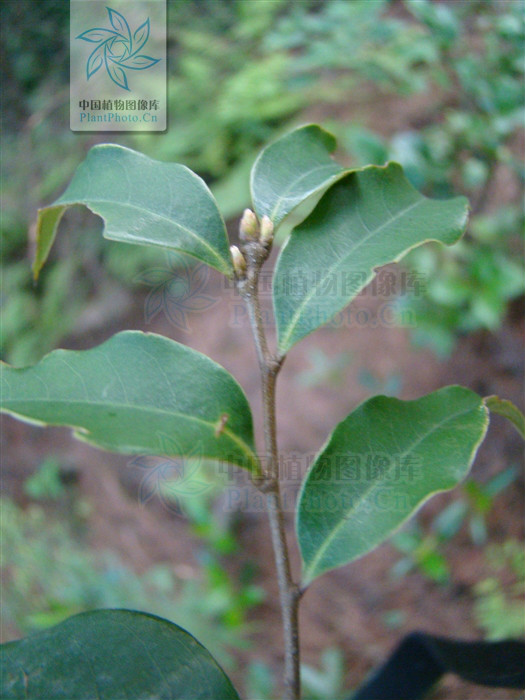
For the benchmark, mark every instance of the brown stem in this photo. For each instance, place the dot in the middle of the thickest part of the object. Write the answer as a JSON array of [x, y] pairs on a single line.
[[269, 366]]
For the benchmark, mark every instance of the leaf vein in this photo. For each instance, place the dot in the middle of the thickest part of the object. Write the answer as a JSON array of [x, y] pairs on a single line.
[[286, 194], [339, 263], [334, 532]]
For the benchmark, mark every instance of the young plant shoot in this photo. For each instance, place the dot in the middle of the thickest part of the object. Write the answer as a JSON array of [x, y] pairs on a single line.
[[127, 393]]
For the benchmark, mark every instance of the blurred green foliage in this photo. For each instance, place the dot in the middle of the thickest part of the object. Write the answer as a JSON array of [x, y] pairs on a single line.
[[348, 43], [241, 72], [499, 607], [49, 573], [324, 683], [424, 551], [473, 507], [470, 145], [35, 320], [216, 528], [421, 552], [323, 369], [46, 483], [34, 47], [227, 91]]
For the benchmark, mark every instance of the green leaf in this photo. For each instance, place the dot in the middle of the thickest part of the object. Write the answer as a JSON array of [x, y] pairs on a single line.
[[379, 465], [370, 218], [131, 393], [110, 654], [141, 201], [291, 169], [508, 410]]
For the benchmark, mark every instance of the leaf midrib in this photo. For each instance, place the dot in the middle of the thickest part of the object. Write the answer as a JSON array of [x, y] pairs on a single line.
[[148, 409], [284, 196], [329, 539], [295, 318], [195, 235]]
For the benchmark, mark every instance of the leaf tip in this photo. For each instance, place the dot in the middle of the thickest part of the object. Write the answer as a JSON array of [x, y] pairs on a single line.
[[35, 270]]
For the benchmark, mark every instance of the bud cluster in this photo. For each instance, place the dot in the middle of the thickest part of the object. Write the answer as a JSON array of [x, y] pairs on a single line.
[[256, 241], [250, 230]]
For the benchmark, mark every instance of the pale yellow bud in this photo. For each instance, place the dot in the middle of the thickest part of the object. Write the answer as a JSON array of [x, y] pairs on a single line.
[[248, 227], [239, 261], [266, 229]]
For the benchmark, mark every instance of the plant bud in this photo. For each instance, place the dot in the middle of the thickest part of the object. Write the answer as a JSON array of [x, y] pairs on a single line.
[[248, 228], [266, 230], [239, 261]]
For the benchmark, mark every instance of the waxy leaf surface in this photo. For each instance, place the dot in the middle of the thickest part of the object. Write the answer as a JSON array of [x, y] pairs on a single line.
[[110, 654], [142, 201], [131, 392], [292, 169], [379, 465], [369, 218]]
